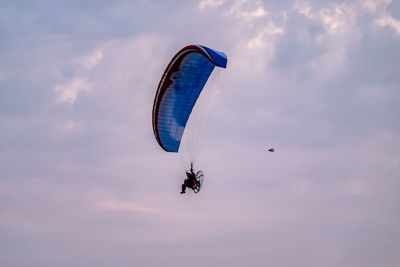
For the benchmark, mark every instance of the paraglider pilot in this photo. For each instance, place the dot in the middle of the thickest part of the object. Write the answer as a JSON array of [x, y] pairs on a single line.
[[190, 181]]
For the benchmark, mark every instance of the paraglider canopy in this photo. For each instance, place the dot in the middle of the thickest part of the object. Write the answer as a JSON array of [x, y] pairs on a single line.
[[178, 91]]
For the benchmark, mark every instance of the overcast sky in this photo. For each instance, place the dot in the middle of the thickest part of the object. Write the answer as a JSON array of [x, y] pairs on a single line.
[[83, 181]]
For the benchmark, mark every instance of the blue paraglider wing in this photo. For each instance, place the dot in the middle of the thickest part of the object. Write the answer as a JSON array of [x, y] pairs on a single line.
[[178, 91]]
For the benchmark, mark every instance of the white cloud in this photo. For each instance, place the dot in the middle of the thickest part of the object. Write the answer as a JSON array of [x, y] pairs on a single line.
[[69, 92], [389, 21], [70, 125], [303, 8], [259, 12], [256, 42], [336, 18], [256, 52], [340, 28], [262, 39], [248, 9], [93, 59], [380, 9], [210, 3], [375, 5]]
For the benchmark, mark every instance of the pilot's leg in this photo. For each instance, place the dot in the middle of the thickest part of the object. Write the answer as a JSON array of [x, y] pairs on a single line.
[[183, 189]]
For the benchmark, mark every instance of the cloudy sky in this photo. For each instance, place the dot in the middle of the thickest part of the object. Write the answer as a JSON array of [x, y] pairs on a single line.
[[83, 181]]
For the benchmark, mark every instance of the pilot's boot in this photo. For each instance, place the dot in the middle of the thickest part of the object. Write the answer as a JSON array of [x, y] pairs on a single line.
[[183, 189]]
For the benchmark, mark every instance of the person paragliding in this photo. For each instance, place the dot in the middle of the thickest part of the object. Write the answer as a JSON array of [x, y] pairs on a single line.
[[190, 181], [177, 93]]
